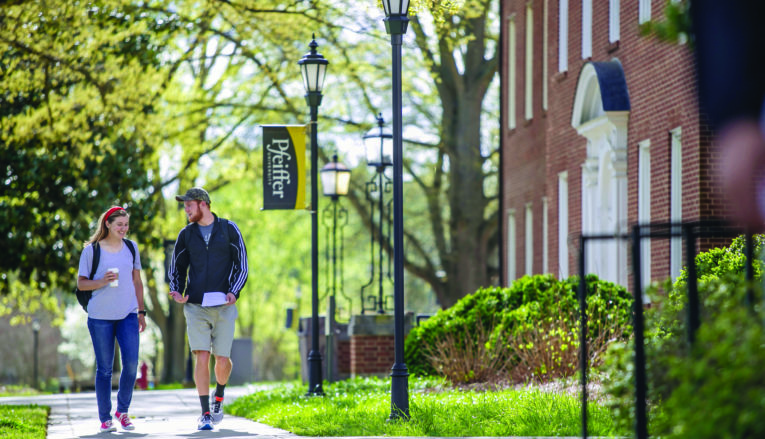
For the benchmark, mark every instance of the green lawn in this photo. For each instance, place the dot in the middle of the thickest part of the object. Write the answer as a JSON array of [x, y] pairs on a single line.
[[170, 386], [23, 421], [361, 407], [13, 390]]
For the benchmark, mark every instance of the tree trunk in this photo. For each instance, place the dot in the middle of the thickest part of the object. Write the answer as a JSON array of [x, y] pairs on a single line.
[[467, 260], [172, 327], [174, 341]]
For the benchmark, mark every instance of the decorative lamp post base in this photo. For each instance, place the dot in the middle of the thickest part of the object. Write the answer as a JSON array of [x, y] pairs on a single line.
[[314, 371], [399, 401]]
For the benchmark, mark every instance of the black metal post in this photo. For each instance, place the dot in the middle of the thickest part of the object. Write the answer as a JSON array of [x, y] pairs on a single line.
[[369, 189], [381, 186], [330, 320], [380, 307], [693, 290], [375, 142], [314, 356], [334, 258], [583, 332], [313, 67], [641, 422], [344, 216], [396, 27]]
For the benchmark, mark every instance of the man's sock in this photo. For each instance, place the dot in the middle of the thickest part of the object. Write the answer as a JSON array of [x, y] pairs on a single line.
[[205, 400], [219, 388]]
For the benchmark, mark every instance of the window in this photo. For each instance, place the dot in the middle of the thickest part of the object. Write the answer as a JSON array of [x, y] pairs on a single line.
[[511, 246], [613, 21], [586, 29], [562, 35], [675, 200], [511, 73], [545, 48], [644, 207], [563, 225], [644, 11], [529, 240], [529, 80], [545, 261]]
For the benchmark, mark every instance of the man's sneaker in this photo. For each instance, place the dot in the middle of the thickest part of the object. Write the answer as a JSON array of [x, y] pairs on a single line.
[[205, 422], [216, 406], [124, 421], [107, 426]]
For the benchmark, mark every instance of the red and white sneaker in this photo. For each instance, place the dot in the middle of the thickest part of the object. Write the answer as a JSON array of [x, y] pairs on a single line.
[[107, 426], [124, 421]]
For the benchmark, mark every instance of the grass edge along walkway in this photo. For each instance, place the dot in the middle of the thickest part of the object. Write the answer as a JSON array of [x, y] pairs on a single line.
[[23, 421], [361, 407]]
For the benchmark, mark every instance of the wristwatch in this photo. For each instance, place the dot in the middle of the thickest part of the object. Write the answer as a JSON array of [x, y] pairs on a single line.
[[142, 311]]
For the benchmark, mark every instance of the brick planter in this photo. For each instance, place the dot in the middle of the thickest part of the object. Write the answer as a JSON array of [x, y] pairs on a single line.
[[372, 344]]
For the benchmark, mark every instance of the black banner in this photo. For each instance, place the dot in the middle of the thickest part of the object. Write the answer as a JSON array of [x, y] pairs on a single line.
[[284, 167]]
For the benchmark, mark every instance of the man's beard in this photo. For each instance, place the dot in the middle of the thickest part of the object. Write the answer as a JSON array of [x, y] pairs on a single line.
[[195, 217]]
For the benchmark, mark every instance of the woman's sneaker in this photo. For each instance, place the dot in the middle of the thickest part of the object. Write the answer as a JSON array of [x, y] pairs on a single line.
[[205, 422], [107, 426], [216, 409], [124, 421]]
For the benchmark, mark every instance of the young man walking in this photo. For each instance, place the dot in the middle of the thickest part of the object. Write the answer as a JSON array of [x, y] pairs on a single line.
[[211, 252]]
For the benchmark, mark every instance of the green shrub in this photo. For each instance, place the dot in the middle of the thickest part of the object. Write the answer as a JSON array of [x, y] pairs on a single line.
[[713, 389], [519, 316]]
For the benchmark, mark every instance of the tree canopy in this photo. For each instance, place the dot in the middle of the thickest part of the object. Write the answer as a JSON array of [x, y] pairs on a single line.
[[125, 102], [77, 90]]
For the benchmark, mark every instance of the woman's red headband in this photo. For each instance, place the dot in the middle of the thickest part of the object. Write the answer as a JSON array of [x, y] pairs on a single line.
[[111, 211]]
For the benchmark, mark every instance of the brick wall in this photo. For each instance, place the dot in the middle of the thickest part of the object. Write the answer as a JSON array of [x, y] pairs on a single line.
[[344, 356], [371, 355], [660, 78]]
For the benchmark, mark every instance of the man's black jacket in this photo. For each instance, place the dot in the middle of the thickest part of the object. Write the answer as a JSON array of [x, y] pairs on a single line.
[[218, 266]]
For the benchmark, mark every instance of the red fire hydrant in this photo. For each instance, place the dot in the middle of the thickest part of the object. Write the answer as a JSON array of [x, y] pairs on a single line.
[[143, 380]]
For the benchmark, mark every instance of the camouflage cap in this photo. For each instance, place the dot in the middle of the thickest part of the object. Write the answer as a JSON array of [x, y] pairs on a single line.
[[194, 194]]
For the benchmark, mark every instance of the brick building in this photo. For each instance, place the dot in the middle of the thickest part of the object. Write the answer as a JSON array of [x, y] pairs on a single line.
[[600, 130]]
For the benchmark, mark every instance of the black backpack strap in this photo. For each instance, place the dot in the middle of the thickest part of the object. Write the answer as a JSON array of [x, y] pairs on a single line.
[[96, 259], [130, 247]]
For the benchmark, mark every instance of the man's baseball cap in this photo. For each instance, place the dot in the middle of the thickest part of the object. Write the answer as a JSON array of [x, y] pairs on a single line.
[[195, 194]]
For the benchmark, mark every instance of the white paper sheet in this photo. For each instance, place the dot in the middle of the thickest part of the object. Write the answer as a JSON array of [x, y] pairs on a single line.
[[214, 298]]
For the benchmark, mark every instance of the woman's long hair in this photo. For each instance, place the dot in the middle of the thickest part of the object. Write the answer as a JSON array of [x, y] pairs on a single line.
[[102, 232]]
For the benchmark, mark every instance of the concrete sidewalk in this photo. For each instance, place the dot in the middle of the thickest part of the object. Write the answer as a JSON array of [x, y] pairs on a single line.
[[156, 413]]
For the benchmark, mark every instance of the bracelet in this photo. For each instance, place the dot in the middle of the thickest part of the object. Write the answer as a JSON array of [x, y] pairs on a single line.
[[142, 311]]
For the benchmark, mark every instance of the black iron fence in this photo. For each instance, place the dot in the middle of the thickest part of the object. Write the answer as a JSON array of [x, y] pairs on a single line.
[[689, 232]]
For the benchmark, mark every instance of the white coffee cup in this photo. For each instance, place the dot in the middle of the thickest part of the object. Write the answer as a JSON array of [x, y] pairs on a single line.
[[115, 282]]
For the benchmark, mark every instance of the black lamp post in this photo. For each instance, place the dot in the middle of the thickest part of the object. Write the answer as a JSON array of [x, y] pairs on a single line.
[[335, 180], [313, 66], [378, 145], [36, 331], [396, 22]]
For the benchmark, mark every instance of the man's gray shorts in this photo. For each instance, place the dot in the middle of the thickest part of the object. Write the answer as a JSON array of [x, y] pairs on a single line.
[[210, 328]]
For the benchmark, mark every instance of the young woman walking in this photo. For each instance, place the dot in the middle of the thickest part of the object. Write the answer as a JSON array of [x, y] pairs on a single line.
[[115, 311]]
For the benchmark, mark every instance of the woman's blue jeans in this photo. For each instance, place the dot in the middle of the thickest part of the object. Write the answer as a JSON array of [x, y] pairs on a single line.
[[103, 333]]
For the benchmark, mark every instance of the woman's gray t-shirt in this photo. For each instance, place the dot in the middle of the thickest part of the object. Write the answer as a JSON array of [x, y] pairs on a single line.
[[112, 303]]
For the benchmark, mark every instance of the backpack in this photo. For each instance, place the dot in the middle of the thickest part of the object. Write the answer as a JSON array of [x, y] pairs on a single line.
[[83, 297]]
